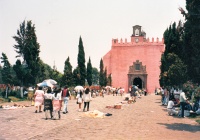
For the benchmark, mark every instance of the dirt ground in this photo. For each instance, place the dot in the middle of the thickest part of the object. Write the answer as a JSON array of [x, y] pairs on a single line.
[[146, 119]]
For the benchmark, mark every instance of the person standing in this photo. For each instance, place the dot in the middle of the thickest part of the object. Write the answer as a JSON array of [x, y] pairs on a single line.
[[39, 99], [86, 99], [79, 98], [65, 96], [183, 101]]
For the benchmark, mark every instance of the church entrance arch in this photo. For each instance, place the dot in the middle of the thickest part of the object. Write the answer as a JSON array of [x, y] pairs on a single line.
[[137, 75], [138, 82]]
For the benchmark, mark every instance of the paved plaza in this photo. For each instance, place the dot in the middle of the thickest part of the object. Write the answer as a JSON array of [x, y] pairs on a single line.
[[146, 119]]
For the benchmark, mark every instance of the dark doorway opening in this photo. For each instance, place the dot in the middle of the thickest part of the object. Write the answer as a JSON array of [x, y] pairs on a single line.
[[138, 82]]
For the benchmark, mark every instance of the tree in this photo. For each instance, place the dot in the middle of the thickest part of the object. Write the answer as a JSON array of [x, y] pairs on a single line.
[[89, 72], [27, 47], [6, 71], [172, 67], [81, 63], [95, 76], [105, 77], [101, 74], [67, 78], [76, 76], [191, 39]]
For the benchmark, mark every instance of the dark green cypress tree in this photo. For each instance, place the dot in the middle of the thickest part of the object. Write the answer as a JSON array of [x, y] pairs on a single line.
[[105, 77], [89, 72], [67, 76], [101, 74], [191, 39], [81, 62], [172, 67]]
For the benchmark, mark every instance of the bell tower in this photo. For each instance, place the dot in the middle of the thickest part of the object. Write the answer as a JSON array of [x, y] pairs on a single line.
[[138, 35]]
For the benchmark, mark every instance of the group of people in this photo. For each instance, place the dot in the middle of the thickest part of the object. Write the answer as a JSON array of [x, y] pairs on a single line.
[[52, 99], [183, 101]]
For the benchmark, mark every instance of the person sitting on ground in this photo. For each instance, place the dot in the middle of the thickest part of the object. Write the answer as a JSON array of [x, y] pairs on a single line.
[[170, 107]]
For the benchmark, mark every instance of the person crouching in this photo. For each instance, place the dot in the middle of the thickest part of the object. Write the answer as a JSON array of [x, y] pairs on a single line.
[[170, 107]]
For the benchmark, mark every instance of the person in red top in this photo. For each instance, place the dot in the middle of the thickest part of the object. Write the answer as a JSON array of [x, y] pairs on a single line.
[[65, 97]]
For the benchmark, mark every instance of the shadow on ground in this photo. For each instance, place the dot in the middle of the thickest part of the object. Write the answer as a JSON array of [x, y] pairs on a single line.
[[182, 127]]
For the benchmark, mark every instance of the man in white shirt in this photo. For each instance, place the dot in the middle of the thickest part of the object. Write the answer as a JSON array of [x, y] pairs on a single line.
[[170, 107], [183, 101]]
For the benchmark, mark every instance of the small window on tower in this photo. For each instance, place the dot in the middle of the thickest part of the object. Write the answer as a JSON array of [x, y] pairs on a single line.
[[136, 32], [137, 66]]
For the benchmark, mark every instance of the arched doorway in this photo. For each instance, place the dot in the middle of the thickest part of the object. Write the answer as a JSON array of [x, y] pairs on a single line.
[[138, 82]]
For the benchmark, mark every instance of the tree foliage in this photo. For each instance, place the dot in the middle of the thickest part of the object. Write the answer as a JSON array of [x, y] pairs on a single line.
[[101, 73], [6, 73], [81, 63], [89, 72], [191, 39], [95, 76], [67, 78], [27, 47]]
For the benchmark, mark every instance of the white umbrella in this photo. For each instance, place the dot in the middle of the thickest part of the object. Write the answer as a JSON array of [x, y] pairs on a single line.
[[79, 88], [53, 82], [45, 84]]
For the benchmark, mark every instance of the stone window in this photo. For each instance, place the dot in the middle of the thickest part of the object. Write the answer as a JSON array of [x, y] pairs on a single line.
[[137, 66]]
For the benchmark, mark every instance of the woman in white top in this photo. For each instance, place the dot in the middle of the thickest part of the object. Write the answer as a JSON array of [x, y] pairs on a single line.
[[87, 98], [79, 99]]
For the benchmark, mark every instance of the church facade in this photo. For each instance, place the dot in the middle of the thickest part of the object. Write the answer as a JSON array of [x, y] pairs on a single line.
[[136, 62]]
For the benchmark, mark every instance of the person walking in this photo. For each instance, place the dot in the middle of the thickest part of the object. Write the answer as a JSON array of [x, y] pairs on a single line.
[[57, 103], [65, 96], [183, 101], [39, 99], [79, 98], [48, 106], [87, 98]]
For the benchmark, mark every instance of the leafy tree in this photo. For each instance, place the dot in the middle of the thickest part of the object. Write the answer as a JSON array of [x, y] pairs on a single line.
[[105, 77], [27, 47], [81, 63], [6, 70], [101, 74], [20, 71], [89, 72], [76, 76], [1, 74], [191, 39], [67, 78], [172, 67], [95, 76]]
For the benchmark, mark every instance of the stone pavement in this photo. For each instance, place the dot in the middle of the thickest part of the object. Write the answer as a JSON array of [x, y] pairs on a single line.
[[144, 120]]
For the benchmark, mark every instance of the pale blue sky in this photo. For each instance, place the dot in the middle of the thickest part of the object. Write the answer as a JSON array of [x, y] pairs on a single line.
[[60, 23]]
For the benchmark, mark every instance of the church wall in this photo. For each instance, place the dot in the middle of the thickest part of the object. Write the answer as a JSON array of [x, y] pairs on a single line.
[[122, 55]]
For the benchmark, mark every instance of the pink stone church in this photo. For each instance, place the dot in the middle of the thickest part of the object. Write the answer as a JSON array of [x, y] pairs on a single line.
[[136, 62]]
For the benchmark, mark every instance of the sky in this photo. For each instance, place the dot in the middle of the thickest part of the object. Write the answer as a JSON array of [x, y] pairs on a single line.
[[60, 23]]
